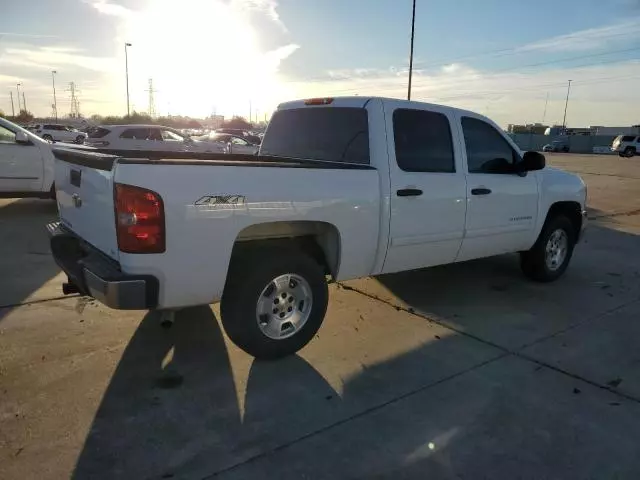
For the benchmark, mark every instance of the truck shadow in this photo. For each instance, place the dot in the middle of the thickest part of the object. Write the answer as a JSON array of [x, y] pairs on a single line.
[[491, 299], [173, 402], [26, 263], [177, 407]]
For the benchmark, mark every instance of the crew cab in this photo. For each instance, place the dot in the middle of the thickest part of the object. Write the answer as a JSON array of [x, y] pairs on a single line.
[[341, 188], [26, 163]]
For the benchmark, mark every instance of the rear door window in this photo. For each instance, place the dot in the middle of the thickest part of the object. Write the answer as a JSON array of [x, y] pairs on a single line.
[[423, 141], [336, 134], [135, 133], [628, 138]]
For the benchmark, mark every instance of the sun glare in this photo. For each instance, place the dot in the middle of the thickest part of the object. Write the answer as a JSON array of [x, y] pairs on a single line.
[[204, 57]]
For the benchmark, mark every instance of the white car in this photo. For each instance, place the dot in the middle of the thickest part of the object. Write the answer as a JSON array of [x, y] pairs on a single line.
[[231, 143], [26, 163], [626, 145], [345, 187], [119, 139], [58, 133]]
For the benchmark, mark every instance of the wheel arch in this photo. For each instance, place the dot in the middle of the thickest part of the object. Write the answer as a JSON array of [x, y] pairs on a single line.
[[321, 240], [570, 209]]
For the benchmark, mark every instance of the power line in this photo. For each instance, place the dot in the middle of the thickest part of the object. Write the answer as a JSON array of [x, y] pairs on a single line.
[[468, 80]]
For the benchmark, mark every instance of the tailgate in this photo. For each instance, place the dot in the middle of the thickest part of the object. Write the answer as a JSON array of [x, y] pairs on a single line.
[[84, 190]]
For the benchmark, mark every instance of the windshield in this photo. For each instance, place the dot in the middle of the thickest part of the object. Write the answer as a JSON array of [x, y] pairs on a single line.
[[17, 128]]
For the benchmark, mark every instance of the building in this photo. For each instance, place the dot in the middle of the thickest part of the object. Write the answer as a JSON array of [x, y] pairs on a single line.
[[534, 128]]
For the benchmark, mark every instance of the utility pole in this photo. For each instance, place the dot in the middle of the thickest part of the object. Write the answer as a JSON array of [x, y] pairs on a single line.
[[413, 29], [152, 102], [18, 90], [544, 114], [55, 102], [126, 67], [13, 111], [24, 102], [249, 111], [566, 103]]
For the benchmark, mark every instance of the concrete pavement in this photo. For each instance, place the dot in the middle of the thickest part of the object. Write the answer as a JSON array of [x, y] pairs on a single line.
[[463, 371]]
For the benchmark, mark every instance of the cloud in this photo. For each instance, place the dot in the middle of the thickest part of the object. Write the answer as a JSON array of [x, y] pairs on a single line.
[[589, 39], [600, 94], [109, 8], [269, 7], [53, 57]]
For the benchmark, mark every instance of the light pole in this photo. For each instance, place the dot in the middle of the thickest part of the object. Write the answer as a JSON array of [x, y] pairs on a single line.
[[18, 90], [13, 110], [566, 103], [55, 102], [126, 66], [413, 29]]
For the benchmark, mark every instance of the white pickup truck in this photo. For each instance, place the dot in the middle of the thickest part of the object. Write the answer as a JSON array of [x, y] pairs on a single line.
[[341, 188], [26, 163]]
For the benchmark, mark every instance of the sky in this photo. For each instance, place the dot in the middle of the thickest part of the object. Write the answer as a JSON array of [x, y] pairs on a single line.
[[506, 59]]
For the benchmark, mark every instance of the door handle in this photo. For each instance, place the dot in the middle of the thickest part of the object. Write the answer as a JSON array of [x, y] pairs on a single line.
[[409, 192], [480, 191]]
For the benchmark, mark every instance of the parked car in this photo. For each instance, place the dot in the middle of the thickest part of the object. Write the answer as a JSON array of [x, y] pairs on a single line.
[[626, 145], [58, 133], [119, 139], [240, 145], [556, 146], [231, 143], [250, 137], [345, 187], [26, 163]]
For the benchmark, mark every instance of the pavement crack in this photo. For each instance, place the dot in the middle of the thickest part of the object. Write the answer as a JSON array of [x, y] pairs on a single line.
[[517, 352], [40, 300]]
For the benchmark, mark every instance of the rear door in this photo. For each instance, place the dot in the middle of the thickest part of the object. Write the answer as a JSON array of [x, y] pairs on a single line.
[[428, 187], [503, 205], [84, 191]]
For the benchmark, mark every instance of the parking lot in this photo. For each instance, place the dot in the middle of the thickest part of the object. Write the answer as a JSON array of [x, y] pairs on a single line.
[[461, 371]]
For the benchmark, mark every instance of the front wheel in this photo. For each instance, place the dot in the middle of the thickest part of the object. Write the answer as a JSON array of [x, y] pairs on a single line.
[[48, 138], [550, 255], [80, 139], [274, 301]]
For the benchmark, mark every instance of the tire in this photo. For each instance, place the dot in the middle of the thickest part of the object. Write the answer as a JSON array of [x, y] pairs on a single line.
[[80, 139], [535, 264], [48, 138], [629, 152], [250, 291]]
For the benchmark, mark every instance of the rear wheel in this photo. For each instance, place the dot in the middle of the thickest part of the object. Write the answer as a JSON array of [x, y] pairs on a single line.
[[80, 139], [47, 137], [274, 301], [629, 152], [550, 255]]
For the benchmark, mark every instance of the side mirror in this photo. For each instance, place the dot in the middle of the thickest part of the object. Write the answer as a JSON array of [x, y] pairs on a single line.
[[532, 161], [22, 138]]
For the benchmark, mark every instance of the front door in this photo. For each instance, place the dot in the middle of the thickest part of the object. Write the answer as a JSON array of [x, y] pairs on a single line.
[[428, 187], [20, 164], [502, 204]]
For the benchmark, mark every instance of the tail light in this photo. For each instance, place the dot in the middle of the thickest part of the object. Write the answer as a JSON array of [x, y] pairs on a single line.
[[139, 220]]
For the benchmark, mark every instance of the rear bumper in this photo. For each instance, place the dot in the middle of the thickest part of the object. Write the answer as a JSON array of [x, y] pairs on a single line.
[[98, 276]]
